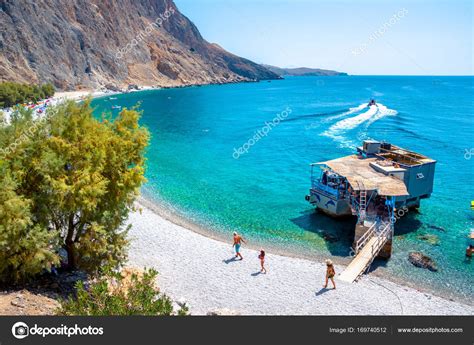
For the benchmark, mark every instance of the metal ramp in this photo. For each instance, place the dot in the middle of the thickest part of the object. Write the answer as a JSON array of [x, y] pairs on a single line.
[[366, 249]]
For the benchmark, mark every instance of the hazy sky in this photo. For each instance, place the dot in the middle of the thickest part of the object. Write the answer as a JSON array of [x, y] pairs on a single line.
[[358, 37]]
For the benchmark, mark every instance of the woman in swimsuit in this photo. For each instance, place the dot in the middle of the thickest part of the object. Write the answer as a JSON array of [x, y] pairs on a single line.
[[262, 261], [330, 273]]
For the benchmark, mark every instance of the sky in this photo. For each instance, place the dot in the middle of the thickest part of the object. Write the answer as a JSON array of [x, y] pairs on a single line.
[[367, 37]]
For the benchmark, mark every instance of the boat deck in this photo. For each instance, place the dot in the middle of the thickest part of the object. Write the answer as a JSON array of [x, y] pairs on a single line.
[[362, 176]]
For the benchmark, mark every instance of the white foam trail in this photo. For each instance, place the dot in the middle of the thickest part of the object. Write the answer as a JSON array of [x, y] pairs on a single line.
[[355, 121], [374, 113], [350, 111], [337, 130], [382, 112]]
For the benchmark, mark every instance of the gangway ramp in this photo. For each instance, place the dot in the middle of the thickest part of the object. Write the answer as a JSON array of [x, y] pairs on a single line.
[[367, 248]]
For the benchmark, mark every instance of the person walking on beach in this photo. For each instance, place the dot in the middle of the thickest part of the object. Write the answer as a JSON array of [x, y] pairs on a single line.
[[238, 240], [261, 256], [330, 273]]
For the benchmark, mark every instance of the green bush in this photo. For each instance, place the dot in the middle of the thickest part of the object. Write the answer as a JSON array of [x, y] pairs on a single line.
[[67, 181], [113, 294], [25, 248], [14, 93]]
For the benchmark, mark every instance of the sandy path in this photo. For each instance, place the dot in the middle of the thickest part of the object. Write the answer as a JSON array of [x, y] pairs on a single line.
[[199, 270]]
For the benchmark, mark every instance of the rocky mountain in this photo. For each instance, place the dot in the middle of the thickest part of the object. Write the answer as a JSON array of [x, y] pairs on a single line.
[[302, 71], [91, 43]]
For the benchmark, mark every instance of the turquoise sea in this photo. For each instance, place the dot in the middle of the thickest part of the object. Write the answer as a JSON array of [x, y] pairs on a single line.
[[194, 169]]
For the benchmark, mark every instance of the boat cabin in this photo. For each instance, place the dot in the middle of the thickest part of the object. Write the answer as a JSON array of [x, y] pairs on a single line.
[[375, 182], [378, 184]]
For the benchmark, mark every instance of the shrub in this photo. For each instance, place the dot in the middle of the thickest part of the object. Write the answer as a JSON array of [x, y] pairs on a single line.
[[14, 93], [120, 294], [25, 248], [72, 180]]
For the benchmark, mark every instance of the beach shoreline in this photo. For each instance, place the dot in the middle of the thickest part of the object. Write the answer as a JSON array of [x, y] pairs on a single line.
[[177, 218], [196, 266]]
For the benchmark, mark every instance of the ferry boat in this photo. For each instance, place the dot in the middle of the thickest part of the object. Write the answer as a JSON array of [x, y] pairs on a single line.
[[378, 184], [380, 173]]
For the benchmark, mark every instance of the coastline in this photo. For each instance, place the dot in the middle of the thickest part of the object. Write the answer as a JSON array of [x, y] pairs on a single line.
[[98, 93], [197, 267], [181, 219]]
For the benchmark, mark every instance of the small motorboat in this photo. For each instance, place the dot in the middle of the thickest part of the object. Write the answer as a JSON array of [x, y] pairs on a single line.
[[112, 98], [116, 107], [372, 102]]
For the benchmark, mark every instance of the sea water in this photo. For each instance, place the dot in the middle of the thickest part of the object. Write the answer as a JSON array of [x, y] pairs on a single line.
[[237, 157]]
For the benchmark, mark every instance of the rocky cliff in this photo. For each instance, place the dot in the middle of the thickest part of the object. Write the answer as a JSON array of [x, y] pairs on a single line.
[[91, 43]]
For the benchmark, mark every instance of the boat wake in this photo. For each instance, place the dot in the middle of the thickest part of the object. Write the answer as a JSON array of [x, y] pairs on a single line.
[[350, 111], [339, 130], [355, 121], [382, 112]]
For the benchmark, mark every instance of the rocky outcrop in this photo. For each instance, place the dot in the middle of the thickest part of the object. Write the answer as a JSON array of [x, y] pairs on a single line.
[[420, 260], [91, 43]]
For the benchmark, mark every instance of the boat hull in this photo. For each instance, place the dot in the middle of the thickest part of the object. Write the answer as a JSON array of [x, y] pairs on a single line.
[[329, 204]]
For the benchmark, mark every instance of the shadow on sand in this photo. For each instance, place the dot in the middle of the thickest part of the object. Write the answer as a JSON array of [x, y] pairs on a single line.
[[232, 259], [323, 290], [377, 263]]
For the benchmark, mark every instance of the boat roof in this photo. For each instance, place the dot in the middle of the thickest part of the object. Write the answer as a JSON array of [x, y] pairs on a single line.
[[404, 156], [362, 176]]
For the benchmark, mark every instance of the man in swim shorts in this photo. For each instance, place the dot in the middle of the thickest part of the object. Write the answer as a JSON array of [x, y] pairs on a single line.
[[238, 240]]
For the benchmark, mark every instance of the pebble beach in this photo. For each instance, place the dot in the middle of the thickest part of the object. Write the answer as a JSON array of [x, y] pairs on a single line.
[[202, 272]]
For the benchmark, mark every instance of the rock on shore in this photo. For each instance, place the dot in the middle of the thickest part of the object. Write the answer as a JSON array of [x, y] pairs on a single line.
[[421, 260]]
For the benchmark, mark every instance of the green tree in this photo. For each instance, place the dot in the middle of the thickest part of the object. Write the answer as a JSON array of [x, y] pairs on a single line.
[[26, 249], [14, 93], [79, 178], [48, 89], [112, 295]]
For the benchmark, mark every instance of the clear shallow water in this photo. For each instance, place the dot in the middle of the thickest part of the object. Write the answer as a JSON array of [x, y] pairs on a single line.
[[191, 163]]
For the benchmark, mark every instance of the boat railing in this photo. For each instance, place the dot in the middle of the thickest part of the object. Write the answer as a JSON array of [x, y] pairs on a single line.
[[317, 185], [362, 241], [384, 233], [382, 230]]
